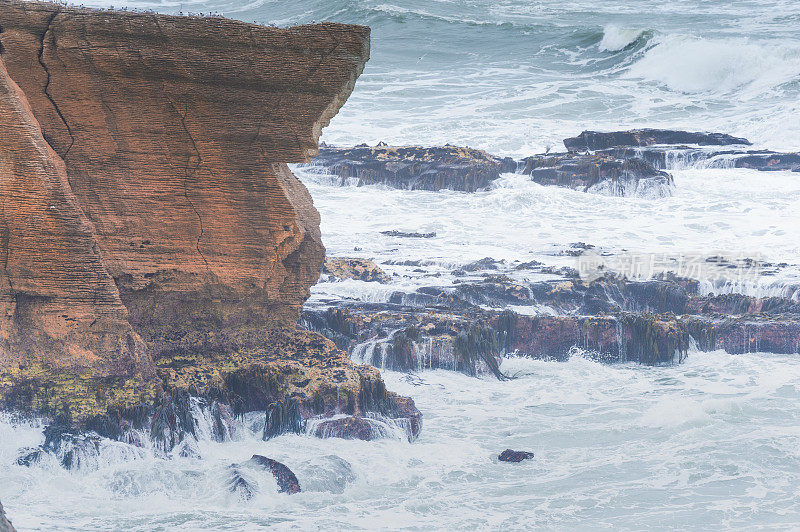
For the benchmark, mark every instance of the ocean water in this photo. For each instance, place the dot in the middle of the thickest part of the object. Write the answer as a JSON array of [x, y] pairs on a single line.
[[713, 443]]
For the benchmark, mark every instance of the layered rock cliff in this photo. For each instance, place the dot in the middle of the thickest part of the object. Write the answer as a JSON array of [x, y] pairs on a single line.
[[148, 214]]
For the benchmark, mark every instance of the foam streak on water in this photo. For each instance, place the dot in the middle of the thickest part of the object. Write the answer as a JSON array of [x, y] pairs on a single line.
[[714, 442], [714, 212]]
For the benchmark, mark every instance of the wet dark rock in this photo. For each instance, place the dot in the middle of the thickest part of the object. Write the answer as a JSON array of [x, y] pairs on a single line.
[[495, 291], [666, 157], [358, 269], [30, 457], [576, 249], [366, 428], [348, 428], [5, 524], [287, 481], [746, 334], [404, 234], [738, 304], [593, 140], [239, 485], [690, 286], [609, 295], [646, 339], [414, 167], [486, 263], [770, 162], [282, 417], [529, 265], [492, 291], [514, 456], [404, 262], [599, 173], [563, 271], [73, 449]]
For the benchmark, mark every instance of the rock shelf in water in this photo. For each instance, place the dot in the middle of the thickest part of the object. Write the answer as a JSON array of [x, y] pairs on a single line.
[[469, 325], [619, 163]]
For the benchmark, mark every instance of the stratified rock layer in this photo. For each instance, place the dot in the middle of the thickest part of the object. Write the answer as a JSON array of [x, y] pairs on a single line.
[[173, 131], [155, 246]]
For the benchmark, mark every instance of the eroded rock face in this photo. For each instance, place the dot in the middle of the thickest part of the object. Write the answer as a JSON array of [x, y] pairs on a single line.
[[414, 167], [62, 323], [155, 246], [174, 131]]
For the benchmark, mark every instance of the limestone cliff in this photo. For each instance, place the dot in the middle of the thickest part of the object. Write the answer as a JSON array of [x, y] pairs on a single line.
[[147, 209]]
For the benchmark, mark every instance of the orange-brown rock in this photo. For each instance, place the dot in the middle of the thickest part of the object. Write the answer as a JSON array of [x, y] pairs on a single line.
[[147, 208]]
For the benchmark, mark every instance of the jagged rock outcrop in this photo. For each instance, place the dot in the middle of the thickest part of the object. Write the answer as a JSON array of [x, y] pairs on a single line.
[[5, 525], [155, 246], [414, 167], [358, 269], [600, 173], [469, 325], [666, 157], [509, 455], [287, 480], [594, 140]]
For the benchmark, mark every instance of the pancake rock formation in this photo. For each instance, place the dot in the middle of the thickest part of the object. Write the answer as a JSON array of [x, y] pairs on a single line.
[[154, 243]]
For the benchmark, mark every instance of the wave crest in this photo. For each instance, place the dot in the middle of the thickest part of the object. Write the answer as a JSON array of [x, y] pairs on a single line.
[[616, 38], [695, 65]]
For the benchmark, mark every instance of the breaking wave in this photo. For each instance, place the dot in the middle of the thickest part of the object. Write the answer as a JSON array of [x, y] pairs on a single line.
[[695, 65], [616, 38]]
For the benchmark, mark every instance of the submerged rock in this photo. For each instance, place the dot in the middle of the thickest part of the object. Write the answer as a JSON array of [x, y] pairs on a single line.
[[358, 269], [362, 428], [770, 162], [348, 428], [29, 457], [593, 140], [414, 167], [680, 156], [5, 524], [239, 485], [329, 473], [241, 482], [287, 481], [514, 456], [405, 234], [599, 173]]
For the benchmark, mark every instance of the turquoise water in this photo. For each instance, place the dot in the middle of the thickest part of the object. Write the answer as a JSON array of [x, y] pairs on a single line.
[[514, 76]]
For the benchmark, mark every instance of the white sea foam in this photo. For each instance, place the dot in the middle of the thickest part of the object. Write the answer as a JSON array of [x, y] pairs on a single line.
[[616, 38], [717, 435], [691, 64], [713, 212]]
